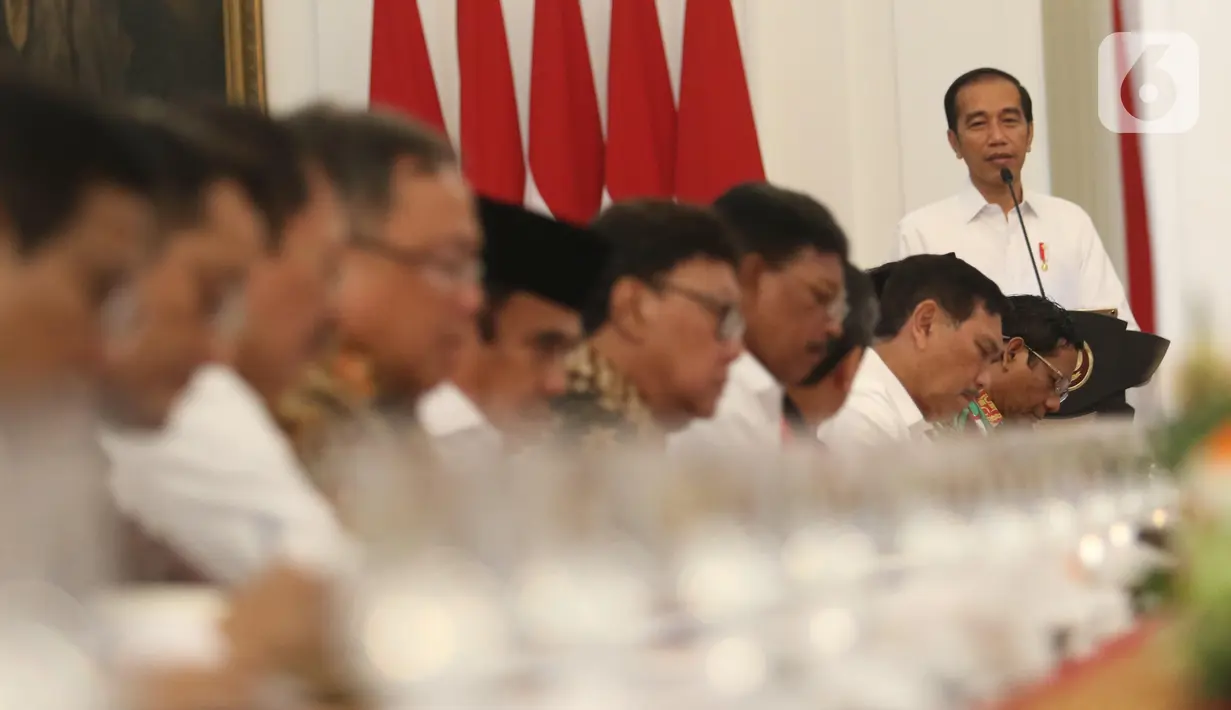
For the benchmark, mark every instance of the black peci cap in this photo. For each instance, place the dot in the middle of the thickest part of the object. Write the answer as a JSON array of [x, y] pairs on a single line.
[[525, 251], [1113, 360]]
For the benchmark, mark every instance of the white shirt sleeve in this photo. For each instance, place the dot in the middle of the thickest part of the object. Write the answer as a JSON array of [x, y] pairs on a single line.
[[863, 421], [223, 488], [1100, 287]]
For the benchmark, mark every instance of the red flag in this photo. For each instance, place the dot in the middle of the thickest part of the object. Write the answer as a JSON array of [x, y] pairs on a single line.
[[401, 70], [718, 145], [566, 133], [491, 135], [640, 105]]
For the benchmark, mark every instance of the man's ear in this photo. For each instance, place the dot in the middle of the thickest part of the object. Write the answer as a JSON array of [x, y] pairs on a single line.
[[953, 144], [1012, 348], [1029, 136], [923, 321], [751, 268], [627, 304]]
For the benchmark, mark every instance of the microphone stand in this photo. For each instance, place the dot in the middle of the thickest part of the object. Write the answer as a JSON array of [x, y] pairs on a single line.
[[1006, 175]]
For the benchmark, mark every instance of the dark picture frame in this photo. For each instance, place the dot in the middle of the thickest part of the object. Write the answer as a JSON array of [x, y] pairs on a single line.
[[164, 49]]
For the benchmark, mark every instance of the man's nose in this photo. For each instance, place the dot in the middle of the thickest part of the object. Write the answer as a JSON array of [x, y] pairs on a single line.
[[470, 299], [554, 382], [984, 376], [1052, 404]]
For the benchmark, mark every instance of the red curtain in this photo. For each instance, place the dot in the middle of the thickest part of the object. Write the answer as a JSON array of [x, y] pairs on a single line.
[[491, 135], [718, 145], [401, 70], [640, 105], [566, 134]]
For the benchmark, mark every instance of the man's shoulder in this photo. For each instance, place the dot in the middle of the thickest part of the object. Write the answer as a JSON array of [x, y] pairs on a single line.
[[943, 209], [1050, 206]]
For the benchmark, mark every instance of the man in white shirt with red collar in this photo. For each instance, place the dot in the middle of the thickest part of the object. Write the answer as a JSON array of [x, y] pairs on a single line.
[[991, 128], [938, 339], [790, 273], [539, 275]]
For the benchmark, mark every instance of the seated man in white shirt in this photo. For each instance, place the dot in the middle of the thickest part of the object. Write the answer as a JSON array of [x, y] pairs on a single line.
[[824, 391], [791, 256], [991, 127], [221, 485], [938, 338], [539, 275]]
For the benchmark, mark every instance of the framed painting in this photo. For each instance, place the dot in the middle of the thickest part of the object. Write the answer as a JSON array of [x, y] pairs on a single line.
[[157, 48]]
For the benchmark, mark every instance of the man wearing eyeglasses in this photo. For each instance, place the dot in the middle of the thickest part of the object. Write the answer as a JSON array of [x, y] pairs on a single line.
[[671, 304], [938, 339], [539, 276], [791, 290], [1032, 379]]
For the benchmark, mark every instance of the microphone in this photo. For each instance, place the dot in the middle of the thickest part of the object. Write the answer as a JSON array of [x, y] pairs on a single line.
[[1006, 176]]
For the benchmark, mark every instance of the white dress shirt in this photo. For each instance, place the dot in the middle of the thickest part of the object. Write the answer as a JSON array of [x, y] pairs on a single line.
[[1073, 264], [878, 410], [748, 416], [459, 430], [223, 487]]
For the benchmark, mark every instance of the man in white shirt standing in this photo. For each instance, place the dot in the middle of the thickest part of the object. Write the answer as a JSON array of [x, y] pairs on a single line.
[[539, 275], [791, 256], [991, 127], [938, 339]]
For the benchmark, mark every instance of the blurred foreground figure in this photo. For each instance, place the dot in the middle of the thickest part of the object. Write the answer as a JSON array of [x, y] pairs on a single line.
[[77, 221], [673, 326], [790, 276], [407, 295], [221, 485], [408, 285], [539, 276], [824, 391], [939, 336]]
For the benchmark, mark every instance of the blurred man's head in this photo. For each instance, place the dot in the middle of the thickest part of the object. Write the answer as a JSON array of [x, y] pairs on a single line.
[[672, 303], [76, 222], [408, 288], [790, 272], [941, 329], [821, 394], [539, 275], [286, 299], [188, 302], [1040, 355]]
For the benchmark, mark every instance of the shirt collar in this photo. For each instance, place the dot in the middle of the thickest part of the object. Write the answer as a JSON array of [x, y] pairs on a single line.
[[903, 404], [751, 375], [972, 202], [446, 411]]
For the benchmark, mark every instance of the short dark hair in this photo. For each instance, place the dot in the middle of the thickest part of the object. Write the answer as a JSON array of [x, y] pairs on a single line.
[[956, 286], [777, 224], [359, 150], [650, 237], [863, 310], [983, 74], [1041, 323], [55, 147], [189, 158], [273, 172]]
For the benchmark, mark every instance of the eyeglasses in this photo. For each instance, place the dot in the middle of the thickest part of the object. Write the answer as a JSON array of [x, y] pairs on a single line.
[[730, 320], [836, 305], [442, 271], [1061, 382]]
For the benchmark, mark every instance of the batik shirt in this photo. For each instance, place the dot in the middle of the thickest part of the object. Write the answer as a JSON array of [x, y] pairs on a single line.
[[601, 406], [981, 413]]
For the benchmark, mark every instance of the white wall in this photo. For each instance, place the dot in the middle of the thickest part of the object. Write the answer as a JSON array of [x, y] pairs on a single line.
[[847, 93]]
